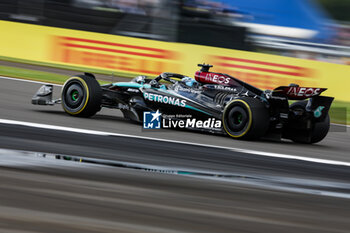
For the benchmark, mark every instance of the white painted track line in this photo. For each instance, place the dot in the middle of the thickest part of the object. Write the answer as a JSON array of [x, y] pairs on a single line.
[[102, 133], [94, 132], [347, 126], [28, 81]]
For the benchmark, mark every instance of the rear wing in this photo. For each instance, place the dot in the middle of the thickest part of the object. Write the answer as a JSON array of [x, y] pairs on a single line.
[[316, 104], [298, 93]]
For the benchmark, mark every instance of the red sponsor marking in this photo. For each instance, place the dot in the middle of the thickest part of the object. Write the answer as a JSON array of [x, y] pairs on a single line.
[[260, 62], [300, 92], [249, 65], [113, 50], [122, 57], [160, 53], [114, 44], [261, 69], [107, 61], [214, 78], [264, 81]]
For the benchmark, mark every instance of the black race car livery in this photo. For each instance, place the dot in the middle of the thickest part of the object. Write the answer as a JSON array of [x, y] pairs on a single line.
[[244, 111]]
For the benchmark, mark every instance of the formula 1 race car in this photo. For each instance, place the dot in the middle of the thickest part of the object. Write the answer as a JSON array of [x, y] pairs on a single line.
[[238, 109]]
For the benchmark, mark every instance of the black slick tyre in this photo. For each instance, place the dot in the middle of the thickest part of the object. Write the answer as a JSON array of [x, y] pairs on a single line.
[[245, 118], [81, 96]]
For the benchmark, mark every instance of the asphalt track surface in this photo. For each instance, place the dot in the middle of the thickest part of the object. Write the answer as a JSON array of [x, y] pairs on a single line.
[[15, 97], [57, 197]]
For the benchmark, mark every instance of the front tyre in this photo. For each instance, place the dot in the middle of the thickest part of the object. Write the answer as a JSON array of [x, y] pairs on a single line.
[[81, 96], [245, 118]]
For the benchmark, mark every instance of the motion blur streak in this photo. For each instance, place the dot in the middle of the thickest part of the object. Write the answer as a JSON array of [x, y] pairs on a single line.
[[94, 132], [27, 159], [84, 198], [42, 197], [100, 51]]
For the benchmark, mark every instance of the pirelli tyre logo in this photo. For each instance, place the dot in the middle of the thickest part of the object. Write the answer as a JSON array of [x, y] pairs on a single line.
[[264, 74], [112, 55]]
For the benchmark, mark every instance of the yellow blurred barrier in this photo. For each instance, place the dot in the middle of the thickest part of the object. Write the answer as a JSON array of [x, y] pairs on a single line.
[[148, 57]]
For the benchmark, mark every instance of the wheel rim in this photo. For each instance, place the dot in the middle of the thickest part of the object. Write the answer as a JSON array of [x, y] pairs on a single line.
[[73, 96], [237, 118]]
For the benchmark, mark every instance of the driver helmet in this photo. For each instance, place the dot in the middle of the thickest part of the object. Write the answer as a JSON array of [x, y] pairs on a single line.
[[190, 82], [140, 79]]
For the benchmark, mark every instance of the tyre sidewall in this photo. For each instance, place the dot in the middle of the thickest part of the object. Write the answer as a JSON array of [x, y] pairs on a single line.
[[258, 114], [320, 130], [92, 96], [82, 106], [243, 105]]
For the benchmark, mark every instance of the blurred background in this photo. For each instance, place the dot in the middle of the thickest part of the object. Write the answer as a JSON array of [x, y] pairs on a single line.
[[309, 29], [92, 183]]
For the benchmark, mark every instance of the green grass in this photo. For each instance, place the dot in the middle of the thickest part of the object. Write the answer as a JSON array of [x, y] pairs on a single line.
[[36, 75], [68, 67], [32, 74], [338, 112]]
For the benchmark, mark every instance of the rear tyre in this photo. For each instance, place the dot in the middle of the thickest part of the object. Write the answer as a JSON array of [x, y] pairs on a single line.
[[319, 130], [245, 118], [81, 96]]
